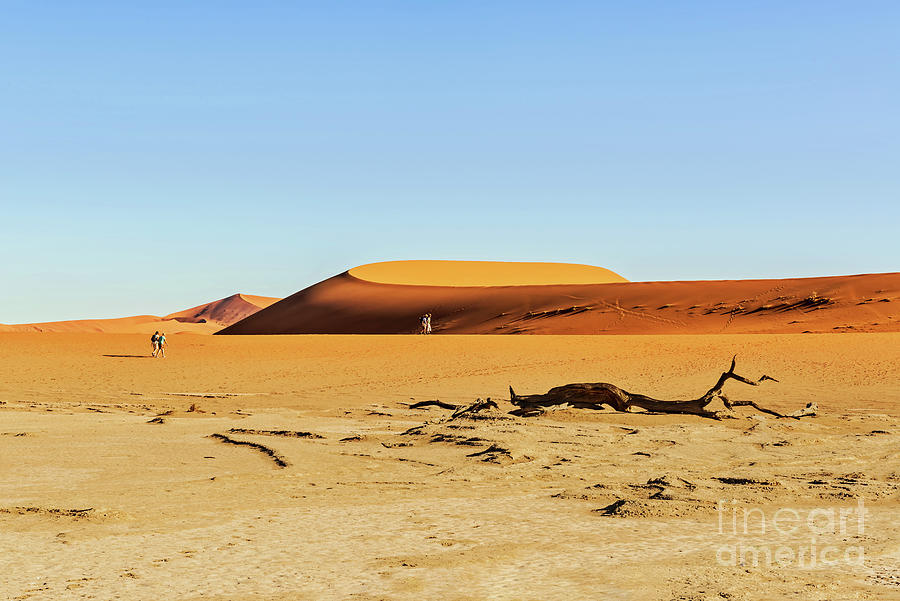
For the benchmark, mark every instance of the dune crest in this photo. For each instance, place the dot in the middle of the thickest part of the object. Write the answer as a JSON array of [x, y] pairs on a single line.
[[482, 273]]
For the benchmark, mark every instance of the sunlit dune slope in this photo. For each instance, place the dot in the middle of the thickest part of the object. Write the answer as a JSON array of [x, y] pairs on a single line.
[[202, 319], [347, 304], [482, 273]]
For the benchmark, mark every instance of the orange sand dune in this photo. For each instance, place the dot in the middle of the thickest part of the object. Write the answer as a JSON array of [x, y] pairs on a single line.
[[202, 319], [355, 302], [482, 273], [225, 311]]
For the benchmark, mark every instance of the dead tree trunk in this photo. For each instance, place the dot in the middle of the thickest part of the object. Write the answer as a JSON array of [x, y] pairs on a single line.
[[599, 394]]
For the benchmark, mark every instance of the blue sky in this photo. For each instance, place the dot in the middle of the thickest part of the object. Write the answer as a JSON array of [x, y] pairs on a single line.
[[159, 156]]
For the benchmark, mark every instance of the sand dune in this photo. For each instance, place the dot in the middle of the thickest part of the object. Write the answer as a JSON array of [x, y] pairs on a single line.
[[364, 301], [225, 311], [202, 319]]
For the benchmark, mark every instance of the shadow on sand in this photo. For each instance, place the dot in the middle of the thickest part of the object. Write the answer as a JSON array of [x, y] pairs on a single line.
[[131, 356]]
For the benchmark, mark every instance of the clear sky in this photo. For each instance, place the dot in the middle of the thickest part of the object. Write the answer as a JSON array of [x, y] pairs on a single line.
[[158, 155]]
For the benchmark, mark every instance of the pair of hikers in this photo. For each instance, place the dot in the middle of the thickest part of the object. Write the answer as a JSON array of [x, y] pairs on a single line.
[[158, 344], [426, 323]]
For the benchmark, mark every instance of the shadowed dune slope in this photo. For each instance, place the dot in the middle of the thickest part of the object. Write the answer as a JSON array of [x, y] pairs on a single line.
[[345, 304], [202, 319]]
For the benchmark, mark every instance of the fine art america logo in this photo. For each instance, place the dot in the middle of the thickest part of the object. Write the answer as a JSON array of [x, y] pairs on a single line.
[[804, 539]]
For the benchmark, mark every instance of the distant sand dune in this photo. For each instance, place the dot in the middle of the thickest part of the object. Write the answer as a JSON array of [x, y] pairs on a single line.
[[121, 325], [202, 319], [226, 311]]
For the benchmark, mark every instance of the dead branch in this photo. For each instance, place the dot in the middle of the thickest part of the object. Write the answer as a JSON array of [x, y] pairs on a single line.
[[600, 394], [476, 407], [491, 449], [278, 459], [284, 433]]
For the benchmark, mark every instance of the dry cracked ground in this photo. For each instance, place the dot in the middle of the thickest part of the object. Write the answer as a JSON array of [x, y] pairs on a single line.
[[384, 501]]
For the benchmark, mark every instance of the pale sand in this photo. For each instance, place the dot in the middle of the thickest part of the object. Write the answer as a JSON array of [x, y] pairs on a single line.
[[177, 515]]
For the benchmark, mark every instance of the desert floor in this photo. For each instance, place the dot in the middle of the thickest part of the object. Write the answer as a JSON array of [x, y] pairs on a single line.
[[110, 488]]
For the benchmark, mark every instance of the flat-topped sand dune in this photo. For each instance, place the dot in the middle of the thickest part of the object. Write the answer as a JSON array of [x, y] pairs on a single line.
[[202, 319], [553, 298]]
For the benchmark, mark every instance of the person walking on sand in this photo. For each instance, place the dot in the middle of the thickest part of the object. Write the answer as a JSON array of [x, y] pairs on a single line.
[[424, 323], [428, 323], [161, 345], [154, 343]]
